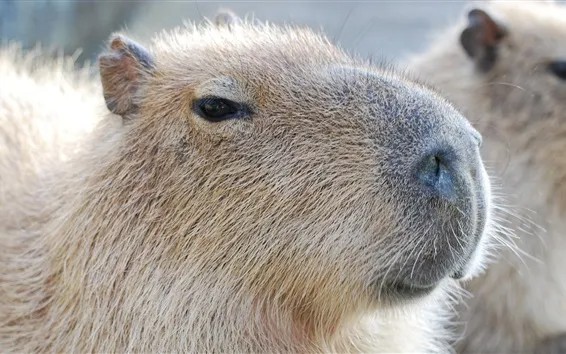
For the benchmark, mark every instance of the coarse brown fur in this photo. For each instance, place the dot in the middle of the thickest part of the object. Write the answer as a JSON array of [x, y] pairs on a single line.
[[281, 231], [519, 105]]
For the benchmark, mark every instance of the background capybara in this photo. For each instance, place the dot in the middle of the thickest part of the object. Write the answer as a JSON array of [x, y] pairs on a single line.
[[505, 68]]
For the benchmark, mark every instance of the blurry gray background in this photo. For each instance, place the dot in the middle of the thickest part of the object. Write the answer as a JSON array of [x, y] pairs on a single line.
[[382, 29]]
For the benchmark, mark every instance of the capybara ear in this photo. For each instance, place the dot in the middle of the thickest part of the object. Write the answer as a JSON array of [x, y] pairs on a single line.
[[227, 18], [481, 37], [123, 69]]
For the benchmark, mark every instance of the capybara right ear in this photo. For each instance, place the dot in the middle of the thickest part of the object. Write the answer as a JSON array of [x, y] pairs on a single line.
[[481, 37], [226, 18], [123, 70]]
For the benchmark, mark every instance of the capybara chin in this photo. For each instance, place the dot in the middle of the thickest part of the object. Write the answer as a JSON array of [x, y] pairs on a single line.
[[262, 191], [505, 68]]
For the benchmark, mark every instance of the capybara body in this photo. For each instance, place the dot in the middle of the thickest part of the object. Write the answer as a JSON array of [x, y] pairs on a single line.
[[255, 190], [505, 68]]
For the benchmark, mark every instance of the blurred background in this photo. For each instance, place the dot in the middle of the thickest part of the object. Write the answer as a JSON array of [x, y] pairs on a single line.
[[382, 29]]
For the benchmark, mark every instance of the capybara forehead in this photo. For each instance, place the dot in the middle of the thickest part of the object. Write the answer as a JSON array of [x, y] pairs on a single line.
[[263, 43], [254, 52]]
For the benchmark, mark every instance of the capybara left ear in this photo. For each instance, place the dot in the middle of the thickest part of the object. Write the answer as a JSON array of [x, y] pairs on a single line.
[[123, 70], [226, 18], [481, 37]]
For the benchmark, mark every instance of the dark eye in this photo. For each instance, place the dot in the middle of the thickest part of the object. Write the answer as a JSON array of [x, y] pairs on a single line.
[[558, 68], [217, 109]]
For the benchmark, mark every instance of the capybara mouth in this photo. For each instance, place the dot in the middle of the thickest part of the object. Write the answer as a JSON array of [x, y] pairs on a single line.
[[448, 252], [482, 216], [406, 291]]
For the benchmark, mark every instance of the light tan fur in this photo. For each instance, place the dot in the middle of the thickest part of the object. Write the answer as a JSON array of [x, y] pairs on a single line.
[[169, 233], [520, 108]]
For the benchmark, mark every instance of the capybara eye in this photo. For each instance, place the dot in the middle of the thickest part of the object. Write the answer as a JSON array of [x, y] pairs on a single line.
[[558, 68], [216, 109]]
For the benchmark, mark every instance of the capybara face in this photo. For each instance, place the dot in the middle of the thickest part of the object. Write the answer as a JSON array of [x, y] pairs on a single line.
[[268, 162], [520, 74]]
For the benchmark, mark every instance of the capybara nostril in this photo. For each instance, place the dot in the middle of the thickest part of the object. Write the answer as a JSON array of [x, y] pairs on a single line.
[[435, 172]]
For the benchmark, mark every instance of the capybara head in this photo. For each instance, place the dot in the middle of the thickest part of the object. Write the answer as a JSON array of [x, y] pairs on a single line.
[[289, 183], [520, 76]]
